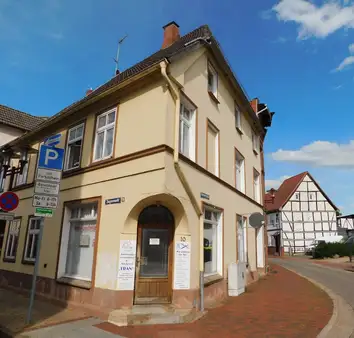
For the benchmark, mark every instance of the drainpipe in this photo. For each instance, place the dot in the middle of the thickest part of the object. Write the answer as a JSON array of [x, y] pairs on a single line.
[[175, 92]]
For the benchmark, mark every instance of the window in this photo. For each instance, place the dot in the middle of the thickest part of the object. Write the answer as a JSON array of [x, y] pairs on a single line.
[[277, 219], [12, 239], [212, 242], [297, 195], [241, 239], [311, 195], [2, 179], [22, 178], [34, 224], [78, 241], [187, 130], [238, 123], [105, 128], [256, 186], [74, 147], [212, 80], [255, 143], [240, 172], [213, 149]]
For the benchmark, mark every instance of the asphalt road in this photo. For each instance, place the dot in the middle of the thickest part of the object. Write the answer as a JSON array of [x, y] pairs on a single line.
[[340, 282]]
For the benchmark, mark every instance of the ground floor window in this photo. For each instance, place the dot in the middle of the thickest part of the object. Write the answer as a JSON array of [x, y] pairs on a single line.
[[241, 239], [212, 241], [12, 239], [34, 225], [78, 241]]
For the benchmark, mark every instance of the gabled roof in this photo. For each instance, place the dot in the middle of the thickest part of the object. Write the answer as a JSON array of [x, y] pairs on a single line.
[[201, 34], [19, 119], [286, 190]]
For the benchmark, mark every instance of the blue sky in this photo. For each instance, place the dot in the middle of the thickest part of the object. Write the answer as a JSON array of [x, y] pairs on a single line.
[[294, 55]]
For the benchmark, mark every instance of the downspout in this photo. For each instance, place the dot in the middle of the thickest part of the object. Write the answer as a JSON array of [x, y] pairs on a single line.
[[175, 92]]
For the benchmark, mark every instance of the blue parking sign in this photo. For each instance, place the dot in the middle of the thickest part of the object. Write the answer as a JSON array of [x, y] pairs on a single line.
[[50, 158]]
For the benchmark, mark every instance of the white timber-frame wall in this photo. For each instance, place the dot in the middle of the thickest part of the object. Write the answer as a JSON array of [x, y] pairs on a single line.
[[307, 215]]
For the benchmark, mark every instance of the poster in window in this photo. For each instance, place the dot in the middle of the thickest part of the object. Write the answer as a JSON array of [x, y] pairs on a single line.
[[182, 266], [126, 268]]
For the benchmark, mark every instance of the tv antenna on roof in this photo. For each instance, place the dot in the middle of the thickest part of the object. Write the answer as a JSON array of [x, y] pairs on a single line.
[[116, 60]]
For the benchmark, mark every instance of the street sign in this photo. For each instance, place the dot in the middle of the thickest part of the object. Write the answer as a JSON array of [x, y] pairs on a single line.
[[45, 201], [48, 175], [43, 212], [46, 188], [50, 158], [6, 216], [52, 140], [8, 201]]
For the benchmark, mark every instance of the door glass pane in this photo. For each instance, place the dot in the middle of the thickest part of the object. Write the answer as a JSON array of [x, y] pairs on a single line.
[[154, 253]]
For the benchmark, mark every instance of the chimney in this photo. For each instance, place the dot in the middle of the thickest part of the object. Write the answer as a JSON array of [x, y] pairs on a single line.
[[89, 91], [254, 105], [117, 72], [171, 34]]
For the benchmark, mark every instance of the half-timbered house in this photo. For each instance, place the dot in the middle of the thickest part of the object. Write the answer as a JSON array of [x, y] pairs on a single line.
[[297, 213]]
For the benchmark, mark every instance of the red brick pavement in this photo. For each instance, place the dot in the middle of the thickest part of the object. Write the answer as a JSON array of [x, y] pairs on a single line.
[[282, 304]]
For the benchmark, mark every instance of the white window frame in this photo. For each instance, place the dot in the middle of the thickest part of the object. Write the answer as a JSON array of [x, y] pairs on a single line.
[[217, 169], [257, 186], [64, 244], [241, 172], [214, 86], [22, 178], [70, 142], [104, 129], [219, 225], [243, 228], [255, 143], [191, 125], [13, 232], [31, 232], [238, 118]]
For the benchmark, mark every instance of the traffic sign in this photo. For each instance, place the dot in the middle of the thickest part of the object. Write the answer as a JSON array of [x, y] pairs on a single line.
[[8, 201], [48, 175], [43, 212], [50, 158], [52, 140]]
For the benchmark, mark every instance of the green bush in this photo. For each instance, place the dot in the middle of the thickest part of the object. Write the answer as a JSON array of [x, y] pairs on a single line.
[[329, 250]]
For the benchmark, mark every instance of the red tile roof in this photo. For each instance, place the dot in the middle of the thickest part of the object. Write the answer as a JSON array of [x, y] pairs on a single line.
[[286, 190]]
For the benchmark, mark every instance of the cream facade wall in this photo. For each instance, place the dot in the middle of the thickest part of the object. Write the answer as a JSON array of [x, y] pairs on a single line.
[[8, 133]]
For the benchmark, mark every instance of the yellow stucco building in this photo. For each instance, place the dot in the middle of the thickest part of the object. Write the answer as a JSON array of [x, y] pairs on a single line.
[[163, 166]]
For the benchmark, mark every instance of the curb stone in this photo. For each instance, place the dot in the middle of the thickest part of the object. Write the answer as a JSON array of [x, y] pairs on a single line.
[[341, 324]]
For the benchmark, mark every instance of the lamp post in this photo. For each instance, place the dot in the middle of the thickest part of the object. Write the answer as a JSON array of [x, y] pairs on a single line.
[[11, 171]]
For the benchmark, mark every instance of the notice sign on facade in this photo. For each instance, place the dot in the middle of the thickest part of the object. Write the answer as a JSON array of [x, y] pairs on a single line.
[[44, 201], [126, 269], [47, 188], [182, 268], [48, 175]]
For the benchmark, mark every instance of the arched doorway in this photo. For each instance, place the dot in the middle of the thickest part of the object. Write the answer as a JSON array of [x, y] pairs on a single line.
[[153, 281]]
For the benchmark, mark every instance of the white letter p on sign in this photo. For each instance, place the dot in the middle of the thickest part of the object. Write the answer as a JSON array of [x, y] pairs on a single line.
[[50, 154]]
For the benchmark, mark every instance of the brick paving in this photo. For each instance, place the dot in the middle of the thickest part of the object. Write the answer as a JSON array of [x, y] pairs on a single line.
[[282, 304]]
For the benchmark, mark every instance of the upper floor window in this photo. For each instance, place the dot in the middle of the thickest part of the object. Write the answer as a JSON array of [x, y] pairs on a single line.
[[104, 138], [2, 179], [74, 147], [255, 142], [256, 186], [238, 123], [22, 178], [212, 80], [240, 172], [213, 149], [297, 195], [187, 130], [311, 196]]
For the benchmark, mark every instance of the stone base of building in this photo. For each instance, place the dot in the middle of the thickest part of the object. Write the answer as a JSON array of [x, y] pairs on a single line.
[[272, 251]]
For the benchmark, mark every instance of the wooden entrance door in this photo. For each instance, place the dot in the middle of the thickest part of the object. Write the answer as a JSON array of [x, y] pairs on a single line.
[[153, 282]]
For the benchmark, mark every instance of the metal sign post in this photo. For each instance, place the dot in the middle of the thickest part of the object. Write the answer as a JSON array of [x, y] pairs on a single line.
[[45, 197]]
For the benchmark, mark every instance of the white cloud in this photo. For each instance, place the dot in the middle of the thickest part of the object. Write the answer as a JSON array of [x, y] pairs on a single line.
[[275, 183], [338, 87], [351, 48], [316, 21], [266, 15], [319, 154], [349, 60]]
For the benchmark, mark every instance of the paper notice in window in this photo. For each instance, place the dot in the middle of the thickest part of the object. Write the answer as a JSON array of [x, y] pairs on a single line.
[[154, 241]]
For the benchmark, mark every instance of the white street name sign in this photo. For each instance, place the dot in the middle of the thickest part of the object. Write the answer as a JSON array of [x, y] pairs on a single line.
[[46, 188]]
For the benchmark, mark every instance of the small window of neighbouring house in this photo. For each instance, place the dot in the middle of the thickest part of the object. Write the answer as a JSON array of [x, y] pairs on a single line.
[[212, 80], [255, 143], [297, 195], [238, 123], [240, 172], [187, 130], [212, 242], [12, 239], [256, 186], [74, 147], [104, 135], [34, 225]]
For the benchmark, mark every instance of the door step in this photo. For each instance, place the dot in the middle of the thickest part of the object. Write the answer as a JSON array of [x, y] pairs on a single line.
[[153, 314]]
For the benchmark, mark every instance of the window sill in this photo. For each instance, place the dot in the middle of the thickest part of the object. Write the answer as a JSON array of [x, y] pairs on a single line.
[[213, 97], [102, 161], [22, 186], [212, 279], [240, 131], [255, 152], [9, 260], [25, 262], [75, 282]]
